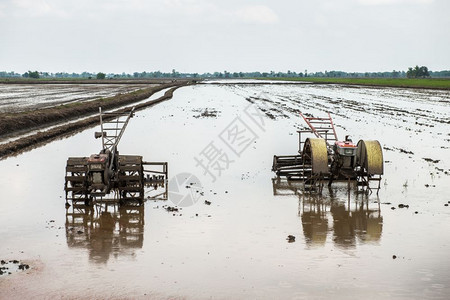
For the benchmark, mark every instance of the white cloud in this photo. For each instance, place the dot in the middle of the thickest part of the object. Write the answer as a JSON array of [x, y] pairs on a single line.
[[389, 2], [37, 8], [2, 9], [191, 7], [218, 35], [258, 14]]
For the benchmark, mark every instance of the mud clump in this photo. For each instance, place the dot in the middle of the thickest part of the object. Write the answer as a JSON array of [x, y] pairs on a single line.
[[290, 238], [207, 113], [405, 151], [403, 206], [7, 267], [172, 209], [269, 114], [434, 161]]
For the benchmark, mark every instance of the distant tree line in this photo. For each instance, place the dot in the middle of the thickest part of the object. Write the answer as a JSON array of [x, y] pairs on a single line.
[[415, 72], [30, 74]]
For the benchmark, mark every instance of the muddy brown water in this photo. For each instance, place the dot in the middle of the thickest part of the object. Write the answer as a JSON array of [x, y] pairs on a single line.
[[347, 245]]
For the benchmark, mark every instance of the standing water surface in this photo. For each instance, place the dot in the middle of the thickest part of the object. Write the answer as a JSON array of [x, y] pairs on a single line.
[[347, 245]]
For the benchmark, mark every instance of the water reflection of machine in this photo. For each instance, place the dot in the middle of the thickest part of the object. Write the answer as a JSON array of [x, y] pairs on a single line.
[[105, 230], [313, 213], [285, 187], [351, 221]]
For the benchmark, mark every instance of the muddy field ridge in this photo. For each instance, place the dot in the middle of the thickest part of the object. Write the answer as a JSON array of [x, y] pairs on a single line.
[[48, 116]]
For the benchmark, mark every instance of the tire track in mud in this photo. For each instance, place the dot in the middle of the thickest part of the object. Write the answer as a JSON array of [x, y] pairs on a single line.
[[388, 116], [371, 103], [409, 112], [328, 104]]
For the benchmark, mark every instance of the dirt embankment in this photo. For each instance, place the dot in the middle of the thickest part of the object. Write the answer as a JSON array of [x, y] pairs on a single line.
[[35, 119], [90, 81], [16, 122]]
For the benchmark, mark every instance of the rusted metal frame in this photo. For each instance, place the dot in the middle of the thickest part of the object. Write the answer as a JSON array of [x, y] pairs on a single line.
[[123, 127], [154, 163], [332, 126], [75, 179], [163, 164], [317, 131], [301, 142], [155, 182], [118, 137], [116, 128], [304, 177], [365, 179], [109, 142], [133, 173], [311, 126], [156, 172], [101, 127], [379, 184]]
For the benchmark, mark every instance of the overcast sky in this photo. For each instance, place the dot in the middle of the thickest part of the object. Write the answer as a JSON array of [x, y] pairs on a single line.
[[234, 35]]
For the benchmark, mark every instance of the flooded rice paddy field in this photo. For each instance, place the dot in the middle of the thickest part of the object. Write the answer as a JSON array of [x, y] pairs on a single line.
[[20, 97], [230, 240]]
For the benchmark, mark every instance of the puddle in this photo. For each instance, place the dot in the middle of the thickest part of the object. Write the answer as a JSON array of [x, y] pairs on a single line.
[[233, 240]]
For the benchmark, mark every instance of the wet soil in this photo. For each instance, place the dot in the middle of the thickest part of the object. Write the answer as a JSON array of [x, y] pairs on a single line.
[[13, 122], [8, 267], [206, 113], [16, 98], [246, 234], [63, 81], [37, 139]]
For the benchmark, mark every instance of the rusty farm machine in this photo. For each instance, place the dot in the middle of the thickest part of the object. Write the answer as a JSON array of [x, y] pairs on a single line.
[[323, 157], [126, 177]]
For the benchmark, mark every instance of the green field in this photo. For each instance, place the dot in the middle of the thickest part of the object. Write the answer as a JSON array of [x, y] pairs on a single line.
[[429, 83]]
